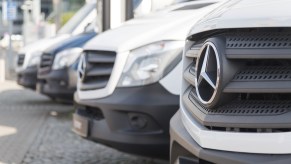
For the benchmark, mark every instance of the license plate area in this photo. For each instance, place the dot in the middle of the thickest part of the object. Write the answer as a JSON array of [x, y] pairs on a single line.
[[80, 125], [39, 87]]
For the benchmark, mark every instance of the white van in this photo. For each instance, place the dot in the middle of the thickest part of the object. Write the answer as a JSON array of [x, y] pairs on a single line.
[[236, 87], [129, 80], [29, 57]]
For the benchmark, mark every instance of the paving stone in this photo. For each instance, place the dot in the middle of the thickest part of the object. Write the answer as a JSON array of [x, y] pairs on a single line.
[[36, 130]]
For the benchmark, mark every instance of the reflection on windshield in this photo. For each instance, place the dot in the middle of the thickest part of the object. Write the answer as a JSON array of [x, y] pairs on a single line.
[[136, 3], [72, 24]]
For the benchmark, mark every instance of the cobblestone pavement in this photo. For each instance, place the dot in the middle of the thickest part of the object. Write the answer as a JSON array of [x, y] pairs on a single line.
[[57, 144], [35, 130]]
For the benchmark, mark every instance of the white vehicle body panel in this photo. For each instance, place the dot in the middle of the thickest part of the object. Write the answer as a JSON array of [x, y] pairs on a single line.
[[170, 81], [246, 14], [148, 29], [163, 25], [40, 45]]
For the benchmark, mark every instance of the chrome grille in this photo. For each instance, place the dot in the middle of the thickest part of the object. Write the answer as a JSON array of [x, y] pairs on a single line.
[[256, 80], [99, 65]]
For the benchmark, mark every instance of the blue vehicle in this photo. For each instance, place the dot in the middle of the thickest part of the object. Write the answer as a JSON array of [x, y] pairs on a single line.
[[57, 72]]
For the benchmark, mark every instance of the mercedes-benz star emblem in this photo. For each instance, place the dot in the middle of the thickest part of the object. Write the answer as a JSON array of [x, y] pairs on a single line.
[[207, 74], [82, 67]]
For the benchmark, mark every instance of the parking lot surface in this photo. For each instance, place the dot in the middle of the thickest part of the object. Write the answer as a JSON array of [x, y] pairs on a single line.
[[34, 129]]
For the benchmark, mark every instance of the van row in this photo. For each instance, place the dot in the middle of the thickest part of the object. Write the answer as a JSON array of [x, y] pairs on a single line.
[[202, 81]]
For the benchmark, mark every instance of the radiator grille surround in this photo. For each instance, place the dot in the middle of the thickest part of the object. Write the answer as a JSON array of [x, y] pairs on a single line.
[[99, 66], [255, 86]]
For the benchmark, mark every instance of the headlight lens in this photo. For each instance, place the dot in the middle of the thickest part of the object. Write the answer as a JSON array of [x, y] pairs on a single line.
[[34, 59], [148, 64], [66, 58]]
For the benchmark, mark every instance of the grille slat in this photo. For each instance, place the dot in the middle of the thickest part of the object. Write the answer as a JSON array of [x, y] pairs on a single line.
[[258, 46], [193, 52], [240, 114], [258, 87], [261, 40], [94, 85], [189, 74], [247, 107], [46, 63], [20, 59], [98, 70], [258, 54], [261, 79], [101, 58]]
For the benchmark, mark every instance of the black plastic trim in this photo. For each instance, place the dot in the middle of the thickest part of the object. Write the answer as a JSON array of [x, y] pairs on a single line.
[[258, 87], [261, 120], [258, 54], [28, 77], [50, 84], [151, 102]]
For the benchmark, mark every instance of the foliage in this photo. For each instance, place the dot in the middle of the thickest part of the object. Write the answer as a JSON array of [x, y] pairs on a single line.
[[66, 17], [72, 8], [75, 4]]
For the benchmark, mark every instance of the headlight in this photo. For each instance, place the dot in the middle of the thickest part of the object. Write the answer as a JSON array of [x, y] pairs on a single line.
[[148, 64], [34, 59], [66, 58]]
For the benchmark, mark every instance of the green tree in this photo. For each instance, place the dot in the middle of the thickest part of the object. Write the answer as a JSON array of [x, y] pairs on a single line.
[[73, 7]]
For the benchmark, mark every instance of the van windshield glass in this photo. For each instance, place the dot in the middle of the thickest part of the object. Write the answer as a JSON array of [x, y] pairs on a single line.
[[136, 3], [73, 23]]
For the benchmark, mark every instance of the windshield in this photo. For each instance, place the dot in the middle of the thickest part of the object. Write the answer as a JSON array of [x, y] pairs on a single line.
[[136, 3], [73, 23]]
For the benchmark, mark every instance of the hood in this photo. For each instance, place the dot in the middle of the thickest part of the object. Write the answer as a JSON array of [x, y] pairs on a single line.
[[38, 46], [172, 25], [246, 14], [42, 44], [71, 42]]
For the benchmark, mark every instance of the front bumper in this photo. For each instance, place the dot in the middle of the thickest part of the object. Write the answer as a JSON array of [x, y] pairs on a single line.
[[133, 120], [27, 77], [59, 84], [185, 150]]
